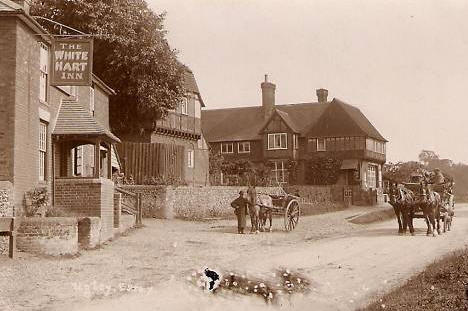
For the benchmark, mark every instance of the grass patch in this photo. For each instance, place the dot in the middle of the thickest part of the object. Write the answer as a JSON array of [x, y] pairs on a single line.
[[443, 285]]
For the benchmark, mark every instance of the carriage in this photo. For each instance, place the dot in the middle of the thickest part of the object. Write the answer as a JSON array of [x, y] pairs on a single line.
[[445, 191], [285, 205]]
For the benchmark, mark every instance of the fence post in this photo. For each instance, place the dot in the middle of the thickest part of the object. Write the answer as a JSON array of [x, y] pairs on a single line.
[[139, 210]]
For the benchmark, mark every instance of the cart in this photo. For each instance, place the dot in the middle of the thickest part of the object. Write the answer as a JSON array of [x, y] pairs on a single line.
[[285, 205]]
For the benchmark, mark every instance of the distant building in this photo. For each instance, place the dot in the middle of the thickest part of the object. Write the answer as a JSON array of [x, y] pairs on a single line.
[[301, 133], [182, 127]]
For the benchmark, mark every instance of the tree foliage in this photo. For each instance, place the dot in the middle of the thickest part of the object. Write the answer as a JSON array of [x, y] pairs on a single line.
[[131, 54], [323, 171]]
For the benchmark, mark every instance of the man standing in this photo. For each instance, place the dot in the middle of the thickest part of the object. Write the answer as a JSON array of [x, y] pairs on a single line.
[[240, 209], [253, 208]]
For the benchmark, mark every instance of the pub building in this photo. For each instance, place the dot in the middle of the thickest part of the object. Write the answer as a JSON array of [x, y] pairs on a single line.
[[54, 119]]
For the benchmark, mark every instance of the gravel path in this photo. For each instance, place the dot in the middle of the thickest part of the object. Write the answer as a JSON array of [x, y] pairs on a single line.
[[146, 270]]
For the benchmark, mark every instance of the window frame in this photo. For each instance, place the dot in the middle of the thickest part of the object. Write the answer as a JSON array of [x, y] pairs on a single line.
[[190, 158], [243, 143], [42, 148], [78, 161], [281, 170], [44, 64], [92, 100], [372, 181], [227, 149], [295, 141], [184, 106], [324, 144], [274, 147]]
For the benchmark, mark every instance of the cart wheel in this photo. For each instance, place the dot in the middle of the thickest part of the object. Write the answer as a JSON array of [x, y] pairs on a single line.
[[291, 215]]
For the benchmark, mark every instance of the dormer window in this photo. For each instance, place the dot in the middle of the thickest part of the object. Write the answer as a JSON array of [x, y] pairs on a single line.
[[184, 106], [277, 141], [321, 146]]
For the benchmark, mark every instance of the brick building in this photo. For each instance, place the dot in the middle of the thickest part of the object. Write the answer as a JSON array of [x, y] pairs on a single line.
[[299, 133], [182, 127], [51, 136]]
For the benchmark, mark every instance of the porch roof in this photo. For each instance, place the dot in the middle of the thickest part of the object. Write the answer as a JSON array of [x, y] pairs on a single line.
[[74, 119], [350, 164]]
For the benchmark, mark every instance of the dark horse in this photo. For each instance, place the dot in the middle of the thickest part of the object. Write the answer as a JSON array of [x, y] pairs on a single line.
[[402, 201], [426, 205]]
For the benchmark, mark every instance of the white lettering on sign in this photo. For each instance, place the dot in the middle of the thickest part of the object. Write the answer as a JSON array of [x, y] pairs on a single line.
[[72, 60]]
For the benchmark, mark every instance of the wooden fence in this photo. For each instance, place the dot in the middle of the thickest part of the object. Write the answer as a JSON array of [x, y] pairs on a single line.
[[144, 161]]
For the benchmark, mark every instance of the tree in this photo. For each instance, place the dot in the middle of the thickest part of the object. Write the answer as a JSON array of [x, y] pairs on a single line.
[[131, 54], [427, 156], [401, 171]]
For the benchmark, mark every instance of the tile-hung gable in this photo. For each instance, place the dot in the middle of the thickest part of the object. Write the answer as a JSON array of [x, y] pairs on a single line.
[[296, 132]]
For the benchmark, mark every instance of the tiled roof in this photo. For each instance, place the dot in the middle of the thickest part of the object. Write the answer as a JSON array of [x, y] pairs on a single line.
[[73, 119], [341, 119], [191, 84], [7, 5], [334, 118]]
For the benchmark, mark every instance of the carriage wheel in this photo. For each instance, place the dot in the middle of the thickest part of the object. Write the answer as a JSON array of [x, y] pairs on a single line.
[[291, 215]]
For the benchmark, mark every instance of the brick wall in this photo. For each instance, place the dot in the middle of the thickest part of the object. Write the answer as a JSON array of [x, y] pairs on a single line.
[[89, 232], [48, 236], [88, 197], [101, 107], [7, 95]]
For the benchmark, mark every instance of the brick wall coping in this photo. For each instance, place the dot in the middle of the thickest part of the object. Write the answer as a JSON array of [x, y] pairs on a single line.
[[50, 220], [78, 180], [143, 187]]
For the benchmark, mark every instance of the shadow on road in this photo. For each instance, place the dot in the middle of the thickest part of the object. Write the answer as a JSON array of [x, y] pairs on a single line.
[[387, 232]]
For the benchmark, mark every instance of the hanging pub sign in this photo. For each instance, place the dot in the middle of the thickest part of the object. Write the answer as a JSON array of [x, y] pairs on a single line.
[[72, 62]]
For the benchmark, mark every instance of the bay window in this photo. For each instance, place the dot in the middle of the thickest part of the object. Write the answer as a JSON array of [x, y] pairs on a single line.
[[277, 141]]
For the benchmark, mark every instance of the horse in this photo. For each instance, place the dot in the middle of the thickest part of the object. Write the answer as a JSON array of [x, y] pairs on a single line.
[[254, 209], [402, 201], [432, 210], [265, 203]]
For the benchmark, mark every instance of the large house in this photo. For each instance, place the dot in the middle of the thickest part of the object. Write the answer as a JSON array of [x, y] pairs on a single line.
[[182, 127], [54, 137], [299, 133]]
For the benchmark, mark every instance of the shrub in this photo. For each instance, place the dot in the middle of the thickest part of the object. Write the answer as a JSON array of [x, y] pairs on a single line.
[[37, 202]]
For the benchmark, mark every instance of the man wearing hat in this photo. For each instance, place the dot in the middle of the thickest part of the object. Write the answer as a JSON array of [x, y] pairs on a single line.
[[240, 209]]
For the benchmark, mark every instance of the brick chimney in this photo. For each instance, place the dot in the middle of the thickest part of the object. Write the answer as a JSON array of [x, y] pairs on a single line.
[[268, 98], [25, 4], [322, 95]]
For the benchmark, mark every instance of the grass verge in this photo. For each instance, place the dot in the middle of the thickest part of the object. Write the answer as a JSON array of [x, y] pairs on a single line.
[[443, 285]]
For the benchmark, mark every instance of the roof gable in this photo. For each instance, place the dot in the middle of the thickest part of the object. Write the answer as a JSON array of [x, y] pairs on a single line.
[[341, 119], [334, 118], [284, 116], [190, 84]]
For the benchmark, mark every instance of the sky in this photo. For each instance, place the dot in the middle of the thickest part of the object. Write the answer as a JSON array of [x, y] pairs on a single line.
[[403, 63]]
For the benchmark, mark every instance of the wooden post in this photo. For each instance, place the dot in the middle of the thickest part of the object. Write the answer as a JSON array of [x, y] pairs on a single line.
[[109, 161], [12, 244], [97, 159], [139, 219]]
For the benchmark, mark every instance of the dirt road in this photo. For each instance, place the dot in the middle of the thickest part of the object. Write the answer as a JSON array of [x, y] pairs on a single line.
[[347, 264]]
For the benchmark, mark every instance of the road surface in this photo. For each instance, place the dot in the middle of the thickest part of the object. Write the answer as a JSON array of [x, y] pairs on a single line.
[[347, 265]]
